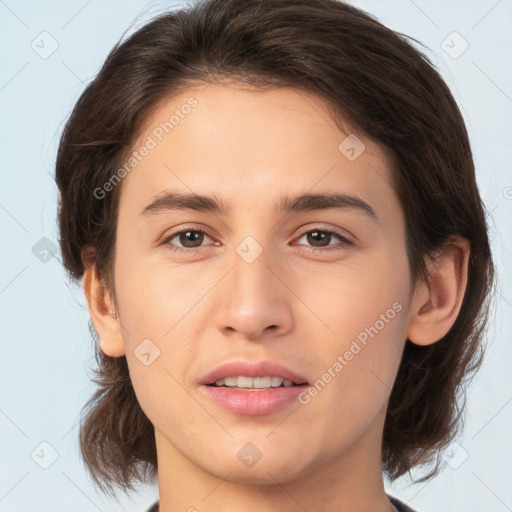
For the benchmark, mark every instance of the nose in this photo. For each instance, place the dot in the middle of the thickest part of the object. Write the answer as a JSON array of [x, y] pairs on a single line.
[[254, 300]]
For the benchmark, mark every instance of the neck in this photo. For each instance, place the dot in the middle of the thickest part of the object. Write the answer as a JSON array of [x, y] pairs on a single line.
[[347, 481]]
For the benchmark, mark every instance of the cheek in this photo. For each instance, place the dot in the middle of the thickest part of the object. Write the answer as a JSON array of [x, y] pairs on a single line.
[[355, 295], [159, 309], [153, 295], [364, 311], [155, 313]]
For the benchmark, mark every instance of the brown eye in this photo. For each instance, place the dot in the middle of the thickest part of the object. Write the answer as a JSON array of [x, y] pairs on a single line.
[[322, 238], [318, 237], [189, 238], [186, 240]]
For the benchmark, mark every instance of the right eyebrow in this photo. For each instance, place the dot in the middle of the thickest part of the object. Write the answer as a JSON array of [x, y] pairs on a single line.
[[178, 201]]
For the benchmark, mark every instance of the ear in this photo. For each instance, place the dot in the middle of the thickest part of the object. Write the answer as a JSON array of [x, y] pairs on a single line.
[[436, 304], [103, 314]]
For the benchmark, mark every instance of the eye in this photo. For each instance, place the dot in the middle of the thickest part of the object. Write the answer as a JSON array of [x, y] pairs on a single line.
[[190, 239], [322, 237]]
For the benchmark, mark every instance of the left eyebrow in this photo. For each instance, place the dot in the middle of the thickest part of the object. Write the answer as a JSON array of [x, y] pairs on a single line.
[[306, 202]]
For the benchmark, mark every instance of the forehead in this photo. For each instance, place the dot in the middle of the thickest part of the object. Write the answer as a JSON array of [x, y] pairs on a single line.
[[252, 145]]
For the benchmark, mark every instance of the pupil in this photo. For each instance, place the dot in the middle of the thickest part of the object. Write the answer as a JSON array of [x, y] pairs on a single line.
[[323, 237], [185, 239]]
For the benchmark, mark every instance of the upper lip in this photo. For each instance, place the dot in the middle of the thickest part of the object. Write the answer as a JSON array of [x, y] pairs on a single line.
[[252, 369]]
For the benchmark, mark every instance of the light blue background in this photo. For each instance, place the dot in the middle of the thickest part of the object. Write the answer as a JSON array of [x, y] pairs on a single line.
[[46, 345]]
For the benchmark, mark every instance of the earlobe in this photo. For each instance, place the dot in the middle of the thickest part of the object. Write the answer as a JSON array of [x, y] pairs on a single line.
[[103, 314], [436, 304]]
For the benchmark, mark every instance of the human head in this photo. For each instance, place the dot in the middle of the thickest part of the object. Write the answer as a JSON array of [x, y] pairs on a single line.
[[375, 84]]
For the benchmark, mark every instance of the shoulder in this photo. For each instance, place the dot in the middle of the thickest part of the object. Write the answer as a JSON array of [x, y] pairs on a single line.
[[400, 505], [154, 507]]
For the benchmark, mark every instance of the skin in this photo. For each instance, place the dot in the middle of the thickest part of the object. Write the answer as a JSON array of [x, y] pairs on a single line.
[[203, 308]]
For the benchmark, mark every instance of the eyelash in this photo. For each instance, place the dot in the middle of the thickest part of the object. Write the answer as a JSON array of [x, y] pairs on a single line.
[[344, 241]]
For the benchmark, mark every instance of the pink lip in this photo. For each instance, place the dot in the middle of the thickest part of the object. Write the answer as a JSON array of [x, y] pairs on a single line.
[[253, 402]]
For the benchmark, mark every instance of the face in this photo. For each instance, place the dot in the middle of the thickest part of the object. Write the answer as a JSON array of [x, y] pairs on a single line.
[[320, 288]]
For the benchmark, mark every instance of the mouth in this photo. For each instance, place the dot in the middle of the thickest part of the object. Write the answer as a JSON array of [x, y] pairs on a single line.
[[253, 388], [245, 383], [253, 375]]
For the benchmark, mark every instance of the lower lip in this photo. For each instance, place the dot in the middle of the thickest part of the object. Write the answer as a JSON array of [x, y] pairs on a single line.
[[254, 402]]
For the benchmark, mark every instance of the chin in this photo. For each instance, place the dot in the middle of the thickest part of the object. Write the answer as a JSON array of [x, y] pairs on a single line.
[[265, 471], [262, 476]]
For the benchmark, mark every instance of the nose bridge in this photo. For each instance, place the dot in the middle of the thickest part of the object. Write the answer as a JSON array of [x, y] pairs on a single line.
[[251, 279], [253, 297]]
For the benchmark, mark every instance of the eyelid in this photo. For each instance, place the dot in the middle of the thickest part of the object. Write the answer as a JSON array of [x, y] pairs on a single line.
[[342, 233], [200, 229], [344, 243]]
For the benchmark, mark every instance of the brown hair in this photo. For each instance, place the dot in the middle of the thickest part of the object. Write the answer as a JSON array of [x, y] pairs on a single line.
[[370, 77]]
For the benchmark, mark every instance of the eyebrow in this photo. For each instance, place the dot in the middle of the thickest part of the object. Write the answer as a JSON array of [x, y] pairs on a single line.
[[170, 201]]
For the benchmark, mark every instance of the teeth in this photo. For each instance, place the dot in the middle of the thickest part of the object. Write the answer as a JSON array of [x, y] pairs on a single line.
[[276, 382], [254, 382]]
